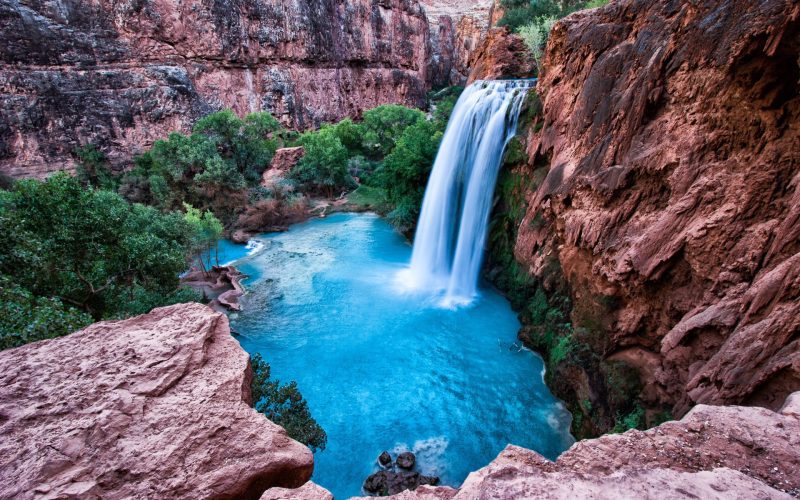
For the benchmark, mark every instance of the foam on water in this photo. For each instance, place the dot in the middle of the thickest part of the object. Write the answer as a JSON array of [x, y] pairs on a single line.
[[384, 368]]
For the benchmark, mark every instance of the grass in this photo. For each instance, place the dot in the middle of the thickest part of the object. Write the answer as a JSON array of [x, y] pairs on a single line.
[[368, 197]]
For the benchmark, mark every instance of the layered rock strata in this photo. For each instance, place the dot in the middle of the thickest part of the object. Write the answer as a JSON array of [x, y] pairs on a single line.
[[666, 186], [120, 75], [156, 406]]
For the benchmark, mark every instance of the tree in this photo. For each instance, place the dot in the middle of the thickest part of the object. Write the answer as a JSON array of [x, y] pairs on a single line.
[[92, 168], [247, 142], [405, 171], [323, 168], [25, 317], [285, 406], [206, 230], [90, 249], [384, 125]]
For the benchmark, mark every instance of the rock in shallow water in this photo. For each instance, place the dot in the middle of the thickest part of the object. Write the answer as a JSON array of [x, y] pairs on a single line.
[[385, 460], [155, 406], [406, 460], [391, 483]]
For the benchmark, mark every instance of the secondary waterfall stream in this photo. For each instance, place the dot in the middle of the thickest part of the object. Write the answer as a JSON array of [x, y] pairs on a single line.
[[449, 243]]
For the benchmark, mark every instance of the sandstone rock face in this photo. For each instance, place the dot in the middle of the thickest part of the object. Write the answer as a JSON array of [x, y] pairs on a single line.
[[308, 491], [457, 28], [501, 54], [713, 452], [284, 160], [122, 74], [670, 146], [155, 406]]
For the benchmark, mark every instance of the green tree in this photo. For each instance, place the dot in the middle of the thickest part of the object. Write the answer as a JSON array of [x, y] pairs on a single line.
[[206, 230], [90, 249], [25, 317], [384, 125], [92, 168], [323, 168], [248, 143], [285, 406], [406, 169]]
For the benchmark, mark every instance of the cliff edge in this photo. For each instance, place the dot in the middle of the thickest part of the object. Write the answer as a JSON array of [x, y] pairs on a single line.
[[156, 406]]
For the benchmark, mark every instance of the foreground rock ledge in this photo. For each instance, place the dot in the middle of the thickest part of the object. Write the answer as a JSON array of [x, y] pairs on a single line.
[[156, 406], [713, 452]]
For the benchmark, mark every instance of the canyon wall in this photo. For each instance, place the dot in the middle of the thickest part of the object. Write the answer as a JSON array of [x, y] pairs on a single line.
[[122, 74], [662, 184]]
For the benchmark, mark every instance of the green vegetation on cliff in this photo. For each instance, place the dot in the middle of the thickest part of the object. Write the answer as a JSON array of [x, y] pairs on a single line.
[[533, 19], [602, 395], [285, 406]]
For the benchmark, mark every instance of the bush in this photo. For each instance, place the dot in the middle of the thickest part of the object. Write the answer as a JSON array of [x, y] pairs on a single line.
[[26, 318], [535, 35], [285, 406], [92, 168], [406, 169]]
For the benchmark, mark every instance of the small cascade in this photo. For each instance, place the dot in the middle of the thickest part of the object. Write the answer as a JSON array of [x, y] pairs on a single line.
[[452, 229]]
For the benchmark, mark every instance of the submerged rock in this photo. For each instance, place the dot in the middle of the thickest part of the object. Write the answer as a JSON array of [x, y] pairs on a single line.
[[384, 459], [391, 483], [406, 460], [156, 406]]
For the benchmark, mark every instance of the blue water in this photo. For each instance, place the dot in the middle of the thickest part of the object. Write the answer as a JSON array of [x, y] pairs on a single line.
[[382, 368]]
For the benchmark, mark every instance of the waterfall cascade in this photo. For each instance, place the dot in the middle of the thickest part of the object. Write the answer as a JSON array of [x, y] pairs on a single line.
[[452, 229]]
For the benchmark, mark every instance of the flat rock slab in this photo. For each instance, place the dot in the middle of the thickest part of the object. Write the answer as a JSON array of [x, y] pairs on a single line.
[[155, 406]]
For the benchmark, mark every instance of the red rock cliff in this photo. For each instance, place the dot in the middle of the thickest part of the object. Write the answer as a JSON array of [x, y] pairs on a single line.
[[122, 74], [667, 167]]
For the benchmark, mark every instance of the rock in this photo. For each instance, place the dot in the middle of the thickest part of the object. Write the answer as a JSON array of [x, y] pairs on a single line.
[[156, 406], [308, 491], [501, 54], [738, 452], [222, 284], [241, 236], [121, 76], [390, 483], [284, 160], [671, 191], [406, 460], [384, 459]]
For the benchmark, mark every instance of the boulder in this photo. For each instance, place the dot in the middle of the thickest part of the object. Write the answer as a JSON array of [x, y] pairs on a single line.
[[390, 483], [156, 406], [406, 460], [384, 459], [308, 491]]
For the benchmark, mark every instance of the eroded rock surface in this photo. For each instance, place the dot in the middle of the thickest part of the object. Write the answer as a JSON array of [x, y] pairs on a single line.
[[501, 54], [713, 452], [670, 195], [156, 406], [122, 74]]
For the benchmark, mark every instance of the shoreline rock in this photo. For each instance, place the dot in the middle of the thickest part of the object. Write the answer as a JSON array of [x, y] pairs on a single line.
[[222, 284]]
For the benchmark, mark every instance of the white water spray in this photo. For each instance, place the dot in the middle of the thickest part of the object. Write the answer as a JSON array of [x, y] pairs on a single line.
[[452, 229]]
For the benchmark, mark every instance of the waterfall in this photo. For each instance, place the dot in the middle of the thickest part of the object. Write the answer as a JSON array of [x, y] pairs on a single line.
[[452, 229]]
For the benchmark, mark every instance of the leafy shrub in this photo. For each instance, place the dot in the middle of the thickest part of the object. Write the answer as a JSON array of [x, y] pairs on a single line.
[[535, 35], [92, 168], [285, 406], [384, 125]]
